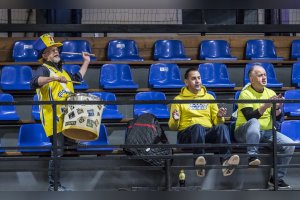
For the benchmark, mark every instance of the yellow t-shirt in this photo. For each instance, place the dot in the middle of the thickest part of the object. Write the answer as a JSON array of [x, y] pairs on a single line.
[[249, 93], [54, 91]]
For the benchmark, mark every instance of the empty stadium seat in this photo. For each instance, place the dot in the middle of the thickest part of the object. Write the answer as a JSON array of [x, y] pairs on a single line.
[[35, 111], [8, 112], [75, 46], [169, 50], [116, 76], [261, 50], [292, 109], [295, 52], [296, 74], [215, 50], [23, 51], [291, 129], [33, 135], [164, 75], [215, 75], [110, 111], [16, 77], [102, 140], [159, 110], [123, 50], [73, 69], [271, 75]]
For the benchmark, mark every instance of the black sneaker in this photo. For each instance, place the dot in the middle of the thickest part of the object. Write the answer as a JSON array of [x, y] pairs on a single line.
[[281, 183], [253, 161], [60, 188]]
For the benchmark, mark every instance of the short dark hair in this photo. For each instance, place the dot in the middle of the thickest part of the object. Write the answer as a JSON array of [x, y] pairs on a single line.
[[186, 75], [252, 68]]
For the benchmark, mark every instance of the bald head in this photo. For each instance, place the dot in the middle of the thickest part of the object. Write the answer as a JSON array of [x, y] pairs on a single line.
[[258, 77], [254, 69]]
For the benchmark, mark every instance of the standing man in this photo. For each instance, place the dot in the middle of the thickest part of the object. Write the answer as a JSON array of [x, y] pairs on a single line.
[[198, 123], [52, 83], [254, 122]]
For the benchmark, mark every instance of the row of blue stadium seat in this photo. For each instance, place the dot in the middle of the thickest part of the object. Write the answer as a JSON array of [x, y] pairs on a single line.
[[161, 111], [33, 135], [126, 50], [161, 75]]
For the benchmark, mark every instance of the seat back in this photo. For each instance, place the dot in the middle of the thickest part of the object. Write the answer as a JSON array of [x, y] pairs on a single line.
[[16, 77], [110, 111], [73, 69], [260, 49], [35, 109], [115, 74], [102, 140], [23, 51], [165, 75], [159, 110], [214, 49], [33, 135], [296, 74], [269, 68], [213, 73], [295, 52], [292, 109], [123, 50], [8, 112], [212, 93], [236, 96], [291, 129], [75, 46], [169, 49]]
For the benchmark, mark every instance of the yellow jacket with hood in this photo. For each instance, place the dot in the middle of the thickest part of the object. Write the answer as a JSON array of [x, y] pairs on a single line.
[[204, 114]]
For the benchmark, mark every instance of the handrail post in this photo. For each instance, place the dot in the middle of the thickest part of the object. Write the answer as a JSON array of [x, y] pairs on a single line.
[[275, 178]]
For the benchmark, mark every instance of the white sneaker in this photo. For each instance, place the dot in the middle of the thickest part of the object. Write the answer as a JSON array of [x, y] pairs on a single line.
[[234, 160], [200, 161]]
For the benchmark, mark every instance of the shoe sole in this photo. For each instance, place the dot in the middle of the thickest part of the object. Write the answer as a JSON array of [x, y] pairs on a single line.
[[232, 161], [255, 162], [200, 161]]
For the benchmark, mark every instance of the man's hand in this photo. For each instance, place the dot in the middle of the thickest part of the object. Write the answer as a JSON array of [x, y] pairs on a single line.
[[60, 79], [176, 115], [222, 112], [86, 57]]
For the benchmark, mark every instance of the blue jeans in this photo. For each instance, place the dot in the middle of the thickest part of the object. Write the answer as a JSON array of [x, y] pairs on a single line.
[[201, 135], [250, 133]]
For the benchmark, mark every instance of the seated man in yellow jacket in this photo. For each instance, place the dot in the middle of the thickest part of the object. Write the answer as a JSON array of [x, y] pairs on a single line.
[[201, 122]]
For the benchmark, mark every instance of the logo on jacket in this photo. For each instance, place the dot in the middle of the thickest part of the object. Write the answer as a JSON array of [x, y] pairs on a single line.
[[61, 93], [198, 106]]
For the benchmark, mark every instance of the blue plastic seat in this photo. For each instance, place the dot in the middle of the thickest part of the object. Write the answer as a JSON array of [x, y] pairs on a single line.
[[292, 109], [16, 77], [212, 93], [261, 50], [116, 76], [23, 51], [8, 112], [35, 111], [161, 111], [164, 75], [33, 135], [75, 46], [296, 74], [215, 75], [291, 129], [169, 50], [110, 111], [271, 75], [295, 52], [102, 140], [123, 50], [215, 50], [73, 69]]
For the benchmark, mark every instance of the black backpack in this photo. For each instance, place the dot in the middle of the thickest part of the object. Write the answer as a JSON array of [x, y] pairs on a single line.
[[145, 129]]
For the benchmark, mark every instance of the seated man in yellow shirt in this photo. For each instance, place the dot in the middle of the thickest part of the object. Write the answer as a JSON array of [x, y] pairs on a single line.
[[254, 122], [201, 122]]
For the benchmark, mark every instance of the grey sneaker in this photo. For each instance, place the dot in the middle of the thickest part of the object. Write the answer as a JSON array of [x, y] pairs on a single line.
[[200, 161], [254, 161], [234, 160], [60, 188]]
